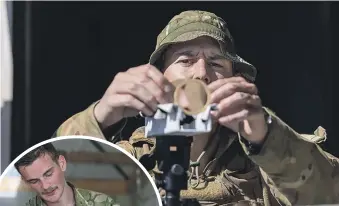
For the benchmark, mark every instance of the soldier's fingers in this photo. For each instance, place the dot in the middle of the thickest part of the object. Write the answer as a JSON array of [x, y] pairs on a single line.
[[128, 100], [153, 88], [229, 89], [234, 118], [160, 79], [139, 92], [236, 103], [153, 73], [218, 83], [227, 105], [150, 72], [141, 86]]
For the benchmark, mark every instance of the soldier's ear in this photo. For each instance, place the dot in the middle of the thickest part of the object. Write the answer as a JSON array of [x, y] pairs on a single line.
[[62, 162], [23, 179]]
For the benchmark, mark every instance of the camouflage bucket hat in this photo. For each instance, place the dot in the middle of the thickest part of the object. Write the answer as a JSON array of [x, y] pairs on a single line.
[[189, 25]]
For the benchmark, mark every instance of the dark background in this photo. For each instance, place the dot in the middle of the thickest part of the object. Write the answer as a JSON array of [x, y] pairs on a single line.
[[67, 53]]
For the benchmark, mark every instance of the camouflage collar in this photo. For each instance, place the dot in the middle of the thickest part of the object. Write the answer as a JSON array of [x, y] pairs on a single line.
[[78, 197]]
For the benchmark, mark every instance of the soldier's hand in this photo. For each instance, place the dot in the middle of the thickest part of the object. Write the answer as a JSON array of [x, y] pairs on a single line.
[[239, 107], [140, 88]]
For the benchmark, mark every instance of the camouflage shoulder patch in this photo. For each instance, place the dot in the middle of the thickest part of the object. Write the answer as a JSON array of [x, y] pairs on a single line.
[[321, 132], [317, 137]]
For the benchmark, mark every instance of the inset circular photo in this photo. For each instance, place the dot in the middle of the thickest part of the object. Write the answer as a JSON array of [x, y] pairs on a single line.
[[77, 171]]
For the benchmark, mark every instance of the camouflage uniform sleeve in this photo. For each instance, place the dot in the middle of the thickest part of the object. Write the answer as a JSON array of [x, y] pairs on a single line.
[[294, 166]]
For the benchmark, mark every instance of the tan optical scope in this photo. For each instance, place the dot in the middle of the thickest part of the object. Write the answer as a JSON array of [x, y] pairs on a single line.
[[191, 95]]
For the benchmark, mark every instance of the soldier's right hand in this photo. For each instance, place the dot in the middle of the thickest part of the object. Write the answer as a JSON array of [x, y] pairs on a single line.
[[138, 89]]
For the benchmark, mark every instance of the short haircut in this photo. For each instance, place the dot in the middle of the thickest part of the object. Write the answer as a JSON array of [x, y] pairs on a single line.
[[30, 157]]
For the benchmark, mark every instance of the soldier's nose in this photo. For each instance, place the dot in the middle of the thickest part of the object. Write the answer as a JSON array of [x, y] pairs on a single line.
[[200, 71], [183, 99]]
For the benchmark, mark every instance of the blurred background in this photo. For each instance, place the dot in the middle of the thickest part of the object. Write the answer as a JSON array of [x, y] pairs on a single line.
[[65, 54], [115, 175]]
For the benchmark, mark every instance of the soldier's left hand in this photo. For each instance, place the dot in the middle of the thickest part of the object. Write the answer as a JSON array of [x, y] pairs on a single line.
[[239, 107]]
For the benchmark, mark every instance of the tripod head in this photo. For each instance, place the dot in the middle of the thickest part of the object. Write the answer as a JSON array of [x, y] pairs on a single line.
[[173, 126], [189, 114]]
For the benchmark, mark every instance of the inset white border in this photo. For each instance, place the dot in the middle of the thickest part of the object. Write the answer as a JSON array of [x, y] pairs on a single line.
[[11, 165]]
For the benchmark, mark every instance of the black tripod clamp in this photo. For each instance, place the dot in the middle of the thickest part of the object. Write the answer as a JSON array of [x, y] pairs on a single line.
[[172, 154]]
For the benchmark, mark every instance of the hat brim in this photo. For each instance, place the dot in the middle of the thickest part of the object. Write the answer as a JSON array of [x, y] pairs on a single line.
[[247, 70]]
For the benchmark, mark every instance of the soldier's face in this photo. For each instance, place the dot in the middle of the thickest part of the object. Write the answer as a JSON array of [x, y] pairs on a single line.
[[46, 177], [200, 58]]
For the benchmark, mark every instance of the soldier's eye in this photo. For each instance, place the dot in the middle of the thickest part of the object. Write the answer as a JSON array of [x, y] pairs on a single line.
[[32, 182], [214, 64], [49, 174], [186, 62]]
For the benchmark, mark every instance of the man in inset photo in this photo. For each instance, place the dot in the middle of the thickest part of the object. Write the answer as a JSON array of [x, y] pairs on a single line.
[[43, 170]]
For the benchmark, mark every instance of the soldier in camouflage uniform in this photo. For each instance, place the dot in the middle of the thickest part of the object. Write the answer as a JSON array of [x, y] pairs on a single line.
[[252, 157], [42, 169]]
